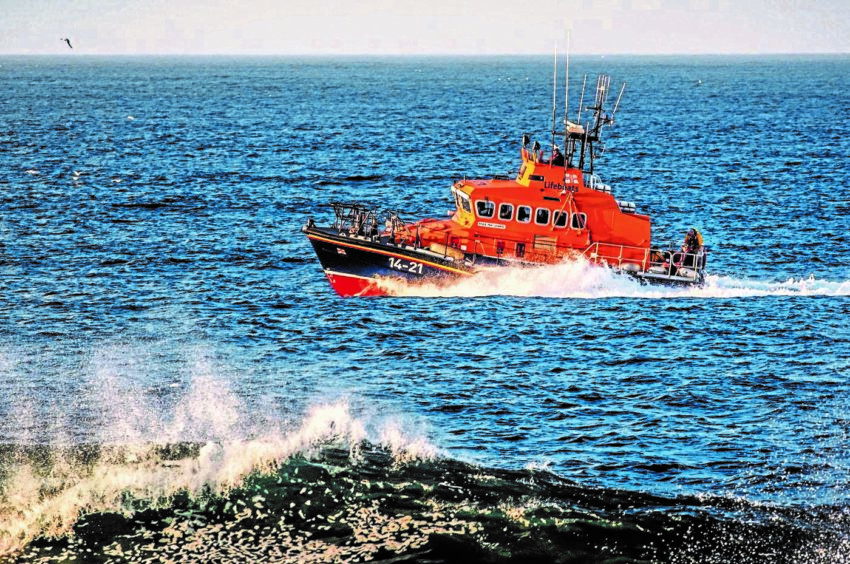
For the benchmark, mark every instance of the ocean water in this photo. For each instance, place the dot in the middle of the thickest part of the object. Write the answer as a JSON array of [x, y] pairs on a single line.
[[178, 382]]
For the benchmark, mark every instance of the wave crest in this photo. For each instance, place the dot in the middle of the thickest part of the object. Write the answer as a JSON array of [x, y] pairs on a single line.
[[199, 449]]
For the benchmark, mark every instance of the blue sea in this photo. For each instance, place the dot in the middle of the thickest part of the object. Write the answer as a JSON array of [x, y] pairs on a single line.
[[178, 381]]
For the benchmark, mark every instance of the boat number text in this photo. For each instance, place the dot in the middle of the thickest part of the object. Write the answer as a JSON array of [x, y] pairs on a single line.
[[406, 265]]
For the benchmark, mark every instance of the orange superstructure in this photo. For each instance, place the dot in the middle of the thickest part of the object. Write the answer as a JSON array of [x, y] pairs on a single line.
[[547, 213]]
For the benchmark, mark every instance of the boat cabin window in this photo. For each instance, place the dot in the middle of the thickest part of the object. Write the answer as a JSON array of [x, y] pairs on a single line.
[[542, 217], [506, 212], [462, 201], [523, 214], [561, 218], [485, 208], [579, 220]]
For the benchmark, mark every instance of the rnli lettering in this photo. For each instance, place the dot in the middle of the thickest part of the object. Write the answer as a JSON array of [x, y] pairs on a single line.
[[406, 265], [560, 186], [490, 225]]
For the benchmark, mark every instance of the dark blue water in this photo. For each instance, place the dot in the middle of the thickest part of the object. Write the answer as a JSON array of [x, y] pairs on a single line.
[[172, 356]]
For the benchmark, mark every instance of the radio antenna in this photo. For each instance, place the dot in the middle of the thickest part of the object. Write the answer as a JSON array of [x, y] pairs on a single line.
[[602, 83], [581, 100], [617, 103], [567, 95], [554, 96]]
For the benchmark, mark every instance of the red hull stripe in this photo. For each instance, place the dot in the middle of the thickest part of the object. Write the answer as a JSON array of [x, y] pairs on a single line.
[[348, 285], [406, 257]]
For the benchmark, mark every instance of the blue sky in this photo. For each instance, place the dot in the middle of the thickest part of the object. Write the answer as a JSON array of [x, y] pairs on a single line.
[[423, 26]]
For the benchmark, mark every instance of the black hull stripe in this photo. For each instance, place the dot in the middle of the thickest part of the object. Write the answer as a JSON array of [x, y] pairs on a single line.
[[389, 254]]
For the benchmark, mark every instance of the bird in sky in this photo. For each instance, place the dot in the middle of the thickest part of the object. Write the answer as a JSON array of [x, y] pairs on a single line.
[[68, 41]]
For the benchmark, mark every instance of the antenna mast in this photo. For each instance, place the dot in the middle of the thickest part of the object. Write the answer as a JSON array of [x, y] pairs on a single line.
[[567, 95], [584, 142], [554, 96], [617, 103], [602, 86], [581, 100]]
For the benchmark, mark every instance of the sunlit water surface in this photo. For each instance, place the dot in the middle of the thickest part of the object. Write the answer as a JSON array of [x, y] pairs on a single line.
[[178, 379]]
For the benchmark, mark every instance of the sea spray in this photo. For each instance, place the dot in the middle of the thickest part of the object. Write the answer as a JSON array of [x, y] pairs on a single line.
[[46, 489], [581, 280]]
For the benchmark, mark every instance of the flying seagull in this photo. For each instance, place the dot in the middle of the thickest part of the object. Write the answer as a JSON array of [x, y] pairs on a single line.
[[68, 41]]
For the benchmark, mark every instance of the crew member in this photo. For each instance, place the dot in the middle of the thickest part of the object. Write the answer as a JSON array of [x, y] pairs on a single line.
[[690, 248], [557, 157], [693, 241]]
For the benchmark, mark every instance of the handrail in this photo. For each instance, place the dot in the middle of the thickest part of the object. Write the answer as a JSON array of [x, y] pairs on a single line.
[[670, 261], [592, 252], [359, 219]]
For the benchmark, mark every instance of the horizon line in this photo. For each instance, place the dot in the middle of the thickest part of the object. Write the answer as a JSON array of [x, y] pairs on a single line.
[[432, 54]]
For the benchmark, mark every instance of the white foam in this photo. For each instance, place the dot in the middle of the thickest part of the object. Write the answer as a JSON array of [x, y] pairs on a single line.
[[722, 286], [403, 445], [234, 442], [580, 279]]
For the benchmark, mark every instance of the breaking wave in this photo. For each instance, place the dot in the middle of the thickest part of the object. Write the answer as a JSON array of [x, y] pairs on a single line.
[[140, 457], [580, 279], [258, 502], [205, 478]]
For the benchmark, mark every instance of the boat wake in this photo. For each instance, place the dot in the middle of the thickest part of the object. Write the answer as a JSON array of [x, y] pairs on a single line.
[[580, 279]]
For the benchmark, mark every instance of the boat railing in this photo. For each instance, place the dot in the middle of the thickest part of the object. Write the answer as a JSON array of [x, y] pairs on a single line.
[[676, 262], [353, 218], [541, 249], [624, 257], [669, 262], [593, 182], [365, 221]]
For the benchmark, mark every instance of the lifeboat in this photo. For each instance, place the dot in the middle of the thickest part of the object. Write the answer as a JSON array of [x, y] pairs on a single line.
[[556, 209]]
